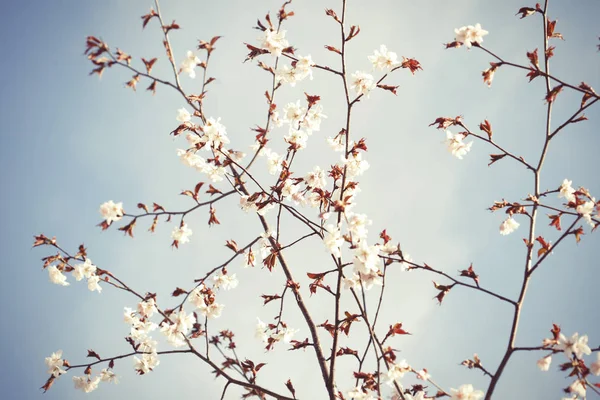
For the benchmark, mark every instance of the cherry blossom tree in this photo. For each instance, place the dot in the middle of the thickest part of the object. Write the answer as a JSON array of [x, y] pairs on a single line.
[[356, 351]]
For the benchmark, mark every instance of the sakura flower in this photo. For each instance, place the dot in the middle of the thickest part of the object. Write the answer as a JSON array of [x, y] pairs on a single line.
[[184, 321], [574, 345], [333, 240], [225, 281], [355, 165], [303, 67], [418, 396], [85, 270], [193, 139], [384, 59], [181, 234], [287, 74], [466, 392], [215, 134], [595, 367], [274, 161], [456, 146], [93, 285], [107, 375], [56, 276], [357, 225], [293, 112], [508, 226], [196, 296], [191, 159], [397, 371], [544, 363], [215, 173], [586, 209], [274, 41], [183, 115], [85, 383], [337, 143], [296, 138], [55, 364], [247, 205], [423, 375], [140, 330], [175, 337], [313, 118], [362, 83], [111, 211], [578, 388], [211, 311], [147, 363], [358, 394], [261, 331], [366, 258], [289, 189], [470, 34], [147, 308], [189, 64], [316, 178], [285, 334], [129, 316], [353, 282], [567, 191], [405, 264]]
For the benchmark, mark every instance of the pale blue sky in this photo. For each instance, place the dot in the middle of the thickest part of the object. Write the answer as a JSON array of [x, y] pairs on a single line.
[[71, 142]]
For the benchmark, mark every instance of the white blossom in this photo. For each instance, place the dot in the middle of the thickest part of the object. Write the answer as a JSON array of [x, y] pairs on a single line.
[[261, 331], [93, 283], [183, 115], [147, 308], [333, 240], [189, 64], [111, 211], [107, 375], [55, 364], [366, 258], [384, 59], [181, 234], [574, 345], [274, 41], [362, 83], [508, 226], [470, 34], [355, 165], [465, 392], [316, 178], [578, 388], [225, 281], [567, 191], [397, 371], [456, 146], [85, 383], [586, 209], [147, 363], [85, 270], [56, 276], [211, 311], [544, 363], [595, 367], [215, 133]]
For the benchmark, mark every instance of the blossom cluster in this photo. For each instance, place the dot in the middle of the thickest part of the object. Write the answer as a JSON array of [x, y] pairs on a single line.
[[86, 383], [574, 348], [270, 334], [87, 270]]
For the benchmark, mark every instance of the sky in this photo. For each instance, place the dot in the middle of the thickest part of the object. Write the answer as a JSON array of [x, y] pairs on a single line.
[[71, 142]]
